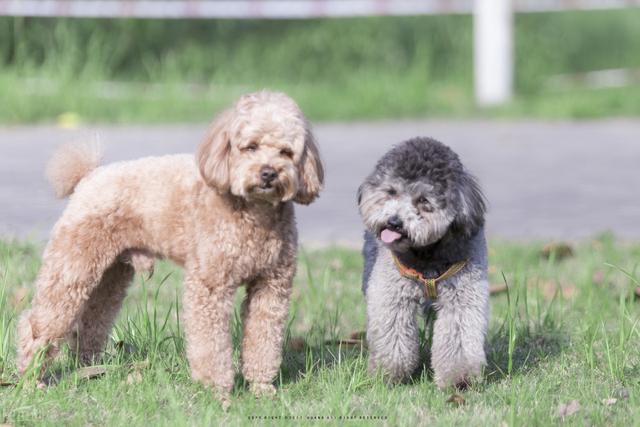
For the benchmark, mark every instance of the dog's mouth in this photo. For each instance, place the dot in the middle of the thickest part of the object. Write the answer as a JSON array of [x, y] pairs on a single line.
[[265, 187], [390, 236], [266, 191]]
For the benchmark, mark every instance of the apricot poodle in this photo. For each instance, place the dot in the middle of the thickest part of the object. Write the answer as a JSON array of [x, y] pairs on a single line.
[[226, 216]]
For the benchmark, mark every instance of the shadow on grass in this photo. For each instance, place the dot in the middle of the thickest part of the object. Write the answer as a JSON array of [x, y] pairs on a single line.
[[299, 362], [508, 353], [527, 352], [518, 346]]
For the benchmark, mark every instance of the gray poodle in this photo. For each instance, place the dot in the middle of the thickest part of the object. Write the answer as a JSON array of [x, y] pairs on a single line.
[[424, 248]]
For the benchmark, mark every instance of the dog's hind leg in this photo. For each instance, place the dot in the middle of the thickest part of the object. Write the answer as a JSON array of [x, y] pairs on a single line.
[[73, 265], [60, 299], [88, 340]]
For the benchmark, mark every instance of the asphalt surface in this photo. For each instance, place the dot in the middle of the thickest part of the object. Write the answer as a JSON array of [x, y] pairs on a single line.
[[543, 180]]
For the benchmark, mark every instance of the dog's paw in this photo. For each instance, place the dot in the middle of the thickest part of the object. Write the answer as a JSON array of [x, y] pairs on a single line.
[[263, 390], [391, 374], [224, 397], [460, 382], [463, 384]]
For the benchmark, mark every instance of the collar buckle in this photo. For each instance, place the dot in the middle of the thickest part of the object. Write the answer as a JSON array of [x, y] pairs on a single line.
[[429, 283]]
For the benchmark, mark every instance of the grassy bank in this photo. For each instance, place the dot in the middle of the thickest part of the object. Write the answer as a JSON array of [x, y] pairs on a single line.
[[567, 334], [170, 71]]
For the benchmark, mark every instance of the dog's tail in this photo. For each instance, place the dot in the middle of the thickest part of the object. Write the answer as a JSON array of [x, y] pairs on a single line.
[[70, 163]]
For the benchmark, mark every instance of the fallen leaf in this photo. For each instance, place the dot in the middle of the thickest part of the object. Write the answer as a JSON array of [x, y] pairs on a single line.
[[358, 335], [297, 344], [549, 289], [134, 377], [140, 365], [598, 277], [90, 372], [610, 401], [456, 399], [557, 250], [568, 409], [496, 289], [336, 264]]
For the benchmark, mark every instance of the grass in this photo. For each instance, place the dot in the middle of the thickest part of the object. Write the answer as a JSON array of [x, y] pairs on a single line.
[[338, 69], [567, 330]]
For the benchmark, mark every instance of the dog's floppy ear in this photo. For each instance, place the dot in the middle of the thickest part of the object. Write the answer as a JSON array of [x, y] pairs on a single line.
[[310, 172], [365, 188], [213, 154], [472, 207], [360, 193]]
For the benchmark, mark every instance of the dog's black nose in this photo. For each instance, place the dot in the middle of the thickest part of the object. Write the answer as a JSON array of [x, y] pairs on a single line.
[[268, 174], [395, 222]]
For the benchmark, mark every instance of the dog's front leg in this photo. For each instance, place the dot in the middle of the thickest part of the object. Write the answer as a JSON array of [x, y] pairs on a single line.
[[208, 304], [462, 316], [392, 329], [264, 317]]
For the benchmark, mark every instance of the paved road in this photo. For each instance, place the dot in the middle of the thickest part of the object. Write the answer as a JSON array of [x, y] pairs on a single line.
[[544, 180]]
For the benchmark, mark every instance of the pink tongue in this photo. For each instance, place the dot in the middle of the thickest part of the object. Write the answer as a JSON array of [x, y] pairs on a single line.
[[389, 236]]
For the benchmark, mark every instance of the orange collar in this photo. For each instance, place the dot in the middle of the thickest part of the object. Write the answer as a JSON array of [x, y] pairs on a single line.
[[429, 283]]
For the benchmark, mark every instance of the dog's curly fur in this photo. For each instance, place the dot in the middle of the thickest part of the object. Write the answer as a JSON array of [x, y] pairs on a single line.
[[226, 216], [421, 205]]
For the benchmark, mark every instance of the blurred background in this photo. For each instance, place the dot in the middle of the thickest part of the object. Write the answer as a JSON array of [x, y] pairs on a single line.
[[540, 98]]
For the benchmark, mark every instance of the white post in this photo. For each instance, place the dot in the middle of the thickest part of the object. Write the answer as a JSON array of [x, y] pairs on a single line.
[[493, 46]]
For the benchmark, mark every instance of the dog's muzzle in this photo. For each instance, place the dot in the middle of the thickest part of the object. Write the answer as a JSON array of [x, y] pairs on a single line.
[[267, 177], [393, 231]]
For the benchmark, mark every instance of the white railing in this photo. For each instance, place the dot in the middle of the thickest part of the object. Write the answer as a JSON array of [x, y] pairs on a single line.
[[262, 9], [280, 9], [493, 34]]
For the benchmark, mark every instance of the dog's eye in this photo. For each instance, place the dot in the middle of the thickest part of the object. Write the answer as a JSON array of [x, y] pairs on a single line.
[[423, 203], [392, 191], [286, 153], [251, 147]]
